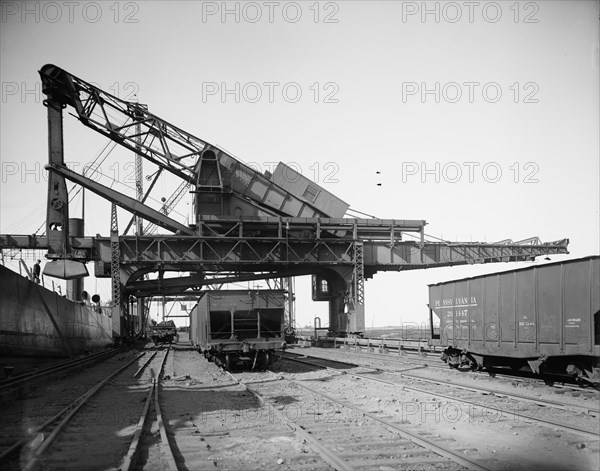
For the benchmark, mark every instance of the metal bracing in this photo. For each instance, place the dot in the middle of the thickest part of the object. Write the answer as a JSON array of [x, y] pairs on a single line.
[[286, 284], [290, 312], [124, 201], [115, 256], [249, 254], [391, 231], [169, 205], [359, 274], [267, 253], [139, 175], [209, 281], [223, 251], [162, 143], [158, 141]]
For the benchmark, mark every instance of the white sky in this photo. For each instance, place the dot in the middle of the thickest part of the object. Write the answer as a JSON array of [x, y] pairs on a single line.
[[366, 59]]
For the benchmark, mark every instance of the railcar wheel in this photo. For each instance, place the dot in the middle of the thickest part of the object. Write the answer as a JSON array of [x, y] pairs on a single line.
[[263, 361], [580, 382], [228, 361]]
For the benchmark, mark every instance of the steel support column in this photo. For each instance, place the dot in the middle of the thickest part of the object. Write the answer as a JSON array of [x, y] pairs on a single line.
[[57, 214]]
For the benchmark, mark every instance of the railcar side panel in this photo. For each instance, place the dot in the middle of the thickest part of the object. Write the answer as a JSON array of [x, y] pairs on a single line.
[[525, 307], [550, 310], [549, 306], [506, 297], [576, 307]]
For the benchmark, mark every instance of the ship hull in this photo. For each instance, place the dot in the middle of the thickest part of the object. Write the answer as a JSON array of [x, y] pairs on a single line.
[[35, 321]]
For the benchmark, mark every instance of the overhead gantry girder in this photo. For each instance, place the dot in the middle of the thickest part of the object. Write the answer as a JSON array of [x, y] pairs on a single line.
[[265, 253], [190, 284], [248, 257], [272, 252]]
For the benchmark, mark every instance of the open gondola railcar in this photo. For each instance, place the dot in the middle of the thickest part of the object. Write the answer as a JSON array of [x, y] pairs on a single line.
[[239, 326], [545, 316]]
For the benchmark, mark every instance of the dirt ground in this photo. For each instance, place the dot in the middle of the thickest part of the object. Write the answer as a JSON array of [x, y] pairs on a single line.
[[215, 423], [509, 442]]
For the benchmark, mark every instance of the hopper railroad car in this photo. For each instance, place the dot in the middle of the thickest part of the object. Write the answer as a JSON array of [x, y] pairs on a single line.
[[239, 326], [545, 316]]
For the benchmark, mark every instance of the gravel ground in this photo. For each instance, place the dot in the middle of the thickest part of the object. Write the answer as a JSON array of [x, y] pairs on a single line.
[[514, 442], [215, 423], [589, 398]]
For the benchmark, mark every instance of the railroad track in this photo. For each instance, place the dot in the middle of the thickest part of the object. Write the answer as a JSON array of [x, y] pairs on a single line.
[[563, 382], [347, 437], [96, 427], [402, 356], [587, 409], [518, 407], [167, 456], [20, 384]]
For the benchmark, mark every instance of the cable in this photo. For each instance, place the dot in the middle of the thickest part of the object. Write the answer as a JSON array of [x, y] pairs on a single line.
[[364, 214]]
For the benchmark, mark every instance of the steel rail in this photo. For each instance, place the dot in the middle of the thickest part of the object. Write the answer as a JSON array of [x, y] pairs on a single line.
[[129, 459], [20, 443], [71, 409], [166, 449], [410, 355], [481, 389], [541, 402], [443, 451], [141, 368], [127, 462], [32, 376], [427, 444], [334, 460], [522, 377], [580, 431]]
